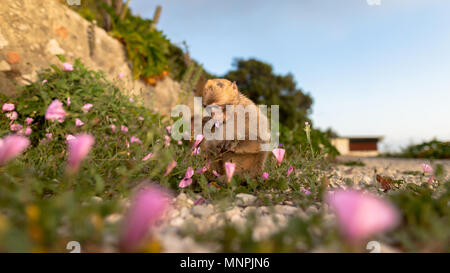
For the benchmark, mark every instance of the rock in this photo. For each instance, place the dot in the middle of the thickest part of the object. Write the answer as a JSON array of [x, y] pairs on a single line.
[[311, 210], [113, 218], [4, 66], [177, 222], [53, 48], [244, 200], [202, 211], [286, 210], [3, 41]]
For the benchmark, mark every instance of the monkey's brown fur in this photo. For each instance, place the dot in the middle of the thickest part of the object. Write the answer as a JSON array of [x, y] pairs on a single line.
[[246, 154]]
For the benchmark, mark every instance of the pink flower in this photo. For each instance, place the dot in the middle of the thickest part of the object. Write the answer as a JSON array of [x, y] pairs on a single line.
[[187, 180], [141, 118], [279, 154], [78, 122], [28, 121], [147, 157], [121, 75], [217, 124], [127, 143], [289, 171], [124, 129], [16, 127], [265, 176], [169, 129], [431, 179], [113, 127], [170, 167], [229, 169], [87, 107], [78, 149], [67, 67], [199, 201], [11, 146], [202, 170], [196, 151], [180, 142], [55, 111], [69, 138], [68, 101], [427, 168], [147, 208], [28, 131], [131, 100], [361, 215], [307, 192], [134, 139], [8, 107], [167, 140], [198, 140], [49, 136], [215, 173], [44, 81], [12, 115]]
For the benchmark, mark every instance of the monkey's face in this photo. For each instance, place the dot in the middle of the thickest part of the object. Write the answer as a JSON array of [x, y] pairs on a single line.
[[219, 92]]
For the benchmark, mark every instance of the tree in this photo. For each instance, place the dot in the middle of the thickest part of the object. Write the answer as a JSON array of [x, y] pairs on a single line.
[[258, 81]]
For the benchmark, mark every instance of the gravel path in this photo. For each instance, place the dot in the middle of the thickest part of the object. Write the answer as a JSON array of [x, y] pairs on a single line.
[[203, 217]]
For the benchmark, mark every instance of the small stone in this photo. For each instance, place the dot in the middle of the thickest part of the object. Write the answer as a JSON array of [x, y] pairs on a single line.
[[96, 199], [285, 210], [3, 41], [312, 210], [53, 48], [4, 66], [113, 218], [244, 200], [202, 211], [13, 57], [177, 222]]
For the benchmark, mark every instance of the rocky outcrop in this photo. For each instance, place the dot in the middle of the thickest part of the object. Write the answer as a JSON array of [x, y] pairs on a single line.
[[33, 32]]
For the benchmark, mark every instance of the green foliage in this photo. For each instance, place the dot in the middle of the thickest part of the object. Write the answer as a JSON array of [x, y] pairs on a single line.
[[258, 81], [432, 149]]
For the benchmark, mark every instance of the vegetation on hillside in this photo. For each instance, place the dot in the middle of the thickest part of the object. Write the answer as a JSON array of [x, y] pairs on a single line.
[[433, 149]]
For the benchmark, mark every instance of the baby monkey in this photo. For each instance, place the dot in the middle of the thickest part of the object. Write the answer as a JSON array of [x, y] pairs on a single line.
[[243, 148]]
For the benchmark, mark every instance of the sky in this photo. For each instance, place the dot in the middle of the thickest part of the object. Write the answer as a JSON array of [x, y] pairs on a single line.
[[379, 70]]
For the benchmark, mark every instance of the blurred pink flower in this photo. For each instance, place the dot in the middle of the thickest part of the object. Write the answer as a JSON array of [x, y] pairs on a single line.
[[289, 171], [202, 170], [361, 215], [87, 107], [141, 118], [113, 127], [55, 111], [199, 201], [170, 167], [68, 101], [265, 176], [120, 75], [229, 169], [131, 100], [147, 157], [147, 208], [12, 115], [67, 67], [187, 180], [196, 151], [49, 136], [16, 127], [167, 141], [169, 129], [279, 154], [427, 168], [8, 107], [127, 143], [44, 81], [134, 139], [305, 191], [180, 142], [78, 122], [215, 173], [431, 179], [69, 138], [11, 146], [198, 140], [78, 149], [124, 129], [28, 131], [28, 121]]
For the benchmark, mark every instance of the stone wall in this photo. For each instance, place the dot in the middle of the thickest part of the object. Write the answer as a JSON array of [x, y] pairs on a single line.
[[33, 32]]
